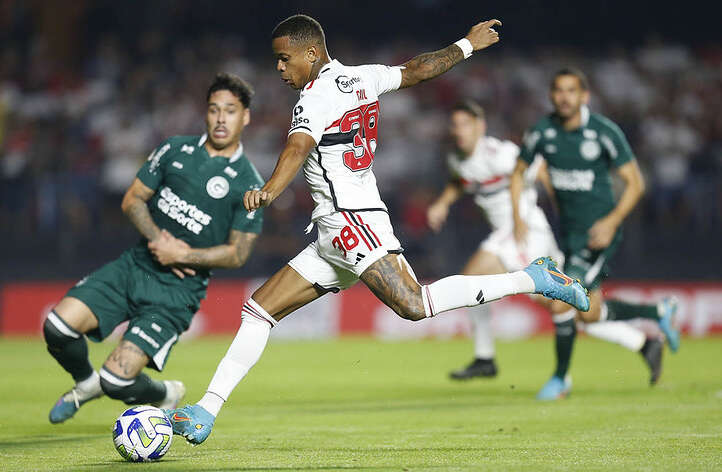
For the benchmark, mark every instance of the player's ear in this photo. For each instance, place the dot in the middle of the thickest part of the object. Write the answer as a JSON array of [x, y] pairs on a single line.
[[585, 97], [246, 116], [312, 54]]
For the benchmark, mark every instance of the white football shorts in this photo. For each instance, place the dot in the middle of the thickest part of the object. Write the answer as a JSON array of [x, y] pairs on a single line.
[[539, 242], [347, 244]]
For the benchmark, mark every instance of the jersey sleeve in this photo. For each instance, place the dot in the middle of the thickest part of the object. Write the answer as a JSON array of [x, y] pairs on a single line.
[[384, 78], [244, 220], [530, 145], [152, 172], [617, 146], [313, 113]]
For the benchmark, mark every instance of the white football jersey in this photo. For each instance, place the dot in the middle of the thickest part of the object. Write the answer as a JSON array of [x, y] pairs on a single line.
[[486, 174], [340, 111]]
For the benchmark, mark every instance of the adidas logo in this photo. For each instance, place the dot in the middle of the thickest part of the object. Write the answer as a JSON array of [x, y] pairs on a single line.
[[359, 257]]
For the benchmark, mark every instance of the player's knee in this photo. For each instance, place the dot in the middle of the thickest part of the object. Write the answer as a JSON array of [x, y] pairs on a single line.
[[118, 388], [57, 334], [412, 310]]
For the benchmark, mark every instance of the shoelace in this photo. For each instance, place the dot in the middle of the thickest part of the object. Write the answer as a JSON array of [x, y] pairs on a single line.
[[75, 398]]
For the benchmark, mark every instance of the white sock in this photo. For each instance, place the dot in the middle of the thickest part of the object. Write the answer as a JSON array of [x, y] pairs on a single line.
[[242, 354], [617, 332], [471, 290], [483, 336], [564, 316], [91, 385]]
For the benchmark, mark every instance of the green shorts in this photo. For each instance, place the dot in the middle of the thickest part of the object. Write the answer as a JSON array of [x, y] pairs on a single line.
[[157, 309], [589, 266]]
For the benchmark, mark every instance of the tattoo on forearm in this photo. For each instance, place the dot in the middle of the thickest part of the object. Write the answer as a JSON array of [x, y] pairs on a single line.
[[431, 64], [230, 255], [139, 215]]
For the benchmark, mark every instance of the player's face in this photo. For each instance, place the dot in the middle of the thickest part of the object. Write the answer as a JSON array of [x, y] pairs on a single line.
[[225, 119], [568, 96], [465, 130], [293, 61]]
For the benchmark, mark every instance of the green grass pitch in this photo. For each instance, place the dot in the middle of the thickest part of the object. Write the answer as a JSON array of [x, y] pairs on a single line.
[[360, 404]]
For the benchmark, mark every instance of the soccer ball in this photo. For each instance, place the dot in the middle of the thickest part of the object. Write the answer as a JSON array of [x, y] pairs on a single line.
[[142, 433]]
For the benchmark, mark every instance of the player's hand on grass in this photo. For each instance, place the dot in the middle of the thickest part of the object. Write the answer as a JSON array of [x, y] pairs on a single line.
[[170, 251], [483, 34], [601, 233], [520, 231], [436, 216], [255, 199]]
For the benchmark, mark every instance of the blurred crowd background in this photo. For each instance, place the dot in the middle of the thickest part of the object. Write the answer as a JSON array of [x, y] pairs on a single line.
[[88, 89]]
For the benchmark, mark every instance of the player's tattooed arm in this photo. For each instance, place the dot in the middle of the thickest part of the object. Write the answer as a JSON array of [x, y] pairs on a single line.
[[171, 251], [135, 207], [432, 64]]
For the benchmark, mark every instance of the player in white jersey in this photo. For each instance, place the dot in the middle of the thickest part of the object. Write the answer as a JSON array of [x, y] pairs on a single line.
[[333, 136], [482, 165]]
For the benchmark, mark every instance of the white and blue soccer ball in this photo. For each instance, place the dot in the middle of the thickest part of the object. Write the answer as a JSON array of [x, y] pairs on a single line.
[[142, 433]]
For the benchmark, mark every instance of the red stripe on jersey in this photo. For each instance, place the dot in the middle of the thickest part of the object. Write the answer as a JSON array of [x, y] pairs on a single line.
[[357, 230], [310, 84], [493, 180], [428, 298], [369, 228]]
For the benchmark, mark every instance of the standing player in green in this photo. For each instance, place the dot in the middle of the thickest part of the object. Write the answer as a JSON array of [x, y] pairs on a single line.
[[581, 150], [187, 204]]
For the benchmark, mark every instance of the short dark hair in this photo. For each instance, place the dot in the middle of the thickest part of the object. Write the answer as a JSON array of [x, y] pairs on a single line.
[[581, 76], [234, 84], [471, 107], [300, 28]]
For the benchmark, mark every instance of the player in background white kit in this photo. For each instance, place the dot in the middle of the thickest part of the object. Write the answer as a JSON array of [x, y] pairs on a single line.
[[333, 136], [481, 166]]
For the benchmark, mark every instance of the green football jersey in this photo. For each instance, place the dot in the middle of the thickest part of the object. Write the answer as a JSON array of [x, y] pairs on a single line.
[[579, 163], [198, 198]]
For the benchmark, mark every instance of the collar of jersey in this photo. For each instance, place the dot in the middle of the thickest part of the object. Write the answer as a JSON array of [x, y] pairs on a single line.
[[236, 155], [329, 66]]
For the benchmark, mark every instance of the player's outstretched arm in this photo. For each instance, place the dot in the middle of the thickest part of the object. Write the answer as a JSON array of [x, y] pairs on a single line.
[[431, 64], [289, 163], [439, 210], [170, 251]]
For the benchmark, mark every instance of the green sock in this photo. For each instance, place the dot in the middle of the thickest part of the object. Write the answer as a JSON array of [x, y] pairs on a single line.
[[619, 310], [146, 390], [566, 331]]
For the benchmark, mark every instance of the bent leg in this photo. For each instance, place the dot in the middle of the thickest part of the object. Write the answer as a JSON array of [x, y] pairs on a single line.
[[121, 377]]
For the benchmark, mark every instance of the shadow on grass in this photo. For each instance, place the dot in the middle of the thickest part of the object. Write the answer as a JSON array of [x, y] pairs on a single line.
[[45, 439]]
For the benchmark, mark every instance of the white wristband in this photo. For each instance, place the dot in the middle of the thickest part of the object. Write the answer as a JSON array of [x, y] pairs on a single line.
[[465, 46]]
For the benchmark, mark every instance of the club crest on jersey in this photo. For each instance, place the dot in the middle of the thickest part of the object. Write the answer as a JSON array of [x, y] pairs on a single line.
[[345, 84], [217, 187], [590, 150], [187, 149]]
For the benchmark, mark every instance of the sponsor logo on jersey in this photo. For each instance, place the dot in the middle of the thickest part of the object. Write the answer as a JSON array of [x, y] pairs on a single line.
[[297, 118], [185, 214], [187, 149], [177, 165], [217, 187], [589, 133], [590, 150], [230, 172], [345, 84], [298, 110], [550, 148], [155, 156], [550, 133], [572, 180]]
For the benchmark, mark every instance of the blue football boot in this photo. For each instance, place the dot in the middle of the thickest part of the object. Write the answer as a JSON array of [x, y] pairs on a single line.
[[667, 309], [193, 422], [69, 403], [552, 283], [555, 388]]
